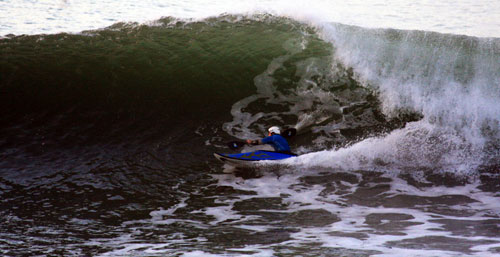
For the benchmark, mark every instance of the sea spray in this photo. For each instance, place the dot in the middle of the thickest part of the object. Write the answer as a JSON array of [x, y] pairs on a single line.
[[451, 80]]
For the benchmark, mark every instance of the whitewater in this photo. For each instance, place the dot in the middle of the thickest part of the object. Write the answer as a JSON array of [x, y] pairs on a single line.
[[111, 112]]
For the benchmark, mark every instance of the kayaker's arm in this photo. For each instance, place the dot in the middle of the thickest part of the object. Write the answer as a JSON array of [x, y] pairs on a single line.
[[254, 142]]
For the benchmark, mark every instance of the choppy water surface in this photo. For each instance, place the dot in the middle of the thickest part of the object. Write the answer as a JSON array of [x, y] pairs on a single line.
[[469, 17], [108, 135]]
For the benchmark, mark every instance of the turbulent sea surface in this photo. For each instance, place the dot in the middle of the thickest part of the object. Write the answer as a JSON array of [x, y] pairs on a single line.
[[107, 136]]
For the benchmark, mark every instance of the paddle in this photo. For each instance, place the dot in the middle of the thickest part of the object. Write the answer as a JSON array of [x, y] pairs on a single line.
[[236, 144], [288, 133]]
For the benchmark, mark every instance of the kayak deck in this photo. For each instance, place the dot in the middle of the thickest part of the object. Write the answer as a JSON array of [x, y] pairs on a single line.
[[249, 158]]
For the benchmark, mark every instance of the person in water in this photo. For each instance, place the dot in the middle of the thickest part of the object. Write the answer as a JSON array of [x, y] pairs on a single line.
[[274, 139]]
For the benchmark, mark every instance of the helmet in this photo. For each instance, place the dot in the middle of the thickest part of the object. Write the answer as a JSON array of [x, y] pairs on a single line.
[[274, 130]]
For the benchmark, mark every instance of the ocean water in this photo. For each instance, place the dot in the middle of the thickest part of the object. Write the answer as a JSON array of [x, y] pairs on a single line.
[[110, 112]]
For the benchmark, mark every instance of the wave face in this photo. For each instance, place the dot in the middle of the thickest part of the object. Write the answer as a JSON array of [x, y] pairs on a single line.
[[133, 81], [108, 135]]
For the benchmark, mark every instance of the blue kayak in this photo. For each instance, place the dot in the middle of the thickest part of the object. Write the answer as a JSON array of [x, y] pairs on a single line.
[[250, 158]]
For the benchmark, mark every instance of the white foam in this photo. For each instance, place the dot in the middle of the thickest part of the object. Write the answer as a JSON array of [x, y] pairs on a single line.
[[240, 252], [452, 81], [297, 196], [352, 217], [158, 215], [222, 213]]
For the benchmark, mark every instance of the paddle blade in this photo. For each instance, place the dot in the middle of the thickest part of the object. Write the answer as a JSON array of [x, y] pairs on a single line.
[[289, 133], [235, 144]]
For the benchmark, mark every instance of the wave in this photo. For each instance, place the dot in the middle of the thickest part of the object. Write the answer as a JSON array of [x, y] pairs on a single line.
[[343, 84], [451, 80]]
